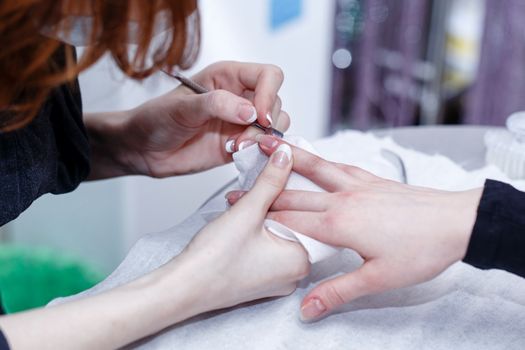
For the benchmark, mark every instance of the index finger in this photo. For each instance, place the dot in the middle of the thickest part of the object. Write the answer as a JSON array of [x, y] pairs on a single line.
[[327, 175], [265, 80]]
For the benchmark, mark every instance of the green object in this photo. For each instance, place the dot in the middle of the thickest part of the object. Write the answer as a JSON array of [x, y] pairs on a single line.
[[31, 277]]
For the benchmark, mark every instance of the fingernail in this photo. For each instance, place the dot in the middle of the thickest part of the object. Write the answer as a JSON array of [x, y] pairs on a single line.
[[248, 113], [245, 144], [229, 198], [269, 118], [282, 155], [266, 140], [229, 146], [233, 196], [312, 310]]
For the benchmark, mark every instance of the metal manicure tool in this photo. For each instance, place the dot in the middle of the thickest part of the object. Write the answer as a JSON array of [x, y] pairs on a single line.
[[190, 84]]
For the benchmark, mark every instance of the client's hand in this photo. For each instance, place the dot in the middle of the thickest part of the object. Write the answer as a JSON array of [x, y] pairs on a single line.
[[234, 259], [405, 234]]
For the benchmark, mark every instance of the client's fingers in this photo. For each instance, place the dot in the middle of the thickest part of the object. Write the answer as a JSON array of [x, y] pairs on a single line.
[[248, 136], [301, 201], [310, 223], [324, 173], [291, 200], [269, 184], [338, 291]]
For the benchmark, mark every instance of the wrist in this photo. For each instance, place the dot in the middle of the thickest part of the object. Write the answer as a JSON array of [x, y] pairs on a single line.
[[464, 218], [173, 291], [197, 288], [111, 154]]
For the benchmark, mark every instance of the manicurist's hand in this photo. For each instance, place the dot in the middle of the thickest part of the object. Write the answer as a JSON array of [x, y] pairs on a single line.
[[182, 132], [235, 259], [405, 234]]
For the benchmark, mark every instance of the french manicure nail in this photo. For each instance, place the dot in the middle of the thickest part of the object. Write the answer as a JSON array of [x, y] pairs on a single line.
[[282, 155], [248, 113], [245, 144], [269, 118], [229, 146], [266, 140], [312, 310]]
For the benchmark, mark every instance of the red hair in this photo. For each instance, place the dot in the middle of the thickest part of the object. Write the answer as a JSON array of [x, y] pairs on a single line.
[[28, 70]]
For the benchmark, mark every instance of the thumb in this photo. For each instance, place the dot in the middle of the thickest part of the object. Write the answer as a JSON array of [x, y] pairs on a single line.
[[269, 184], [221, 104], [333, 293]]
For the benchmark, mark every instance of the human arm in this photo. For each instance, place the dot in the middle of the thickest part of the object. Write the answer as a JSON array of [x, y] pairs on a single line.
[[405, 234], [113, 319], [182, 132], [205, 276]]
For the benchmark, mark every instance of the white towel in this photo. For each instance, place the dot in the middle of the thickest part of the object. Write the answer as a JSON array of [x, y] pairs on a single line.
[[463, 308]]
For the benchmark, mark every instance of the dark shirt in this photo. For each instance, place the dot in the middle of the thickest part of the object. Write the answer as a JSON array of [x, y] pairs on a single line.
[[49, 155], [4, 345], [498, 237]]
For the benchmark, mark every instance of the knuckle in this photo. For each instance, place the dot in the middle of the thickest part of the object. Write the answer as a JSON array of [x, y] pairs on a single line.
[[343, 197], [276, 71], [373, 281], [216, 102], [334, 296], [330, 221], [352, 170]]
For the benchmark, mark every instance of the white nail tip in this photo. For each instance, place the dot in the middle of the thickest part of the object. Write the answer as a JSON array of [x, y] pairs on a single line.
[[229, 146], [269, 118], [286, 149], [253, 117]]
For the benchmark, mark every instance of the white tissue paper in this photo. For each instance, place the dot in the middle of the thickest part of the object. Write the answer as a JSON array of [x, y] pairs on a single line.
[[250, 162], [463, 308]]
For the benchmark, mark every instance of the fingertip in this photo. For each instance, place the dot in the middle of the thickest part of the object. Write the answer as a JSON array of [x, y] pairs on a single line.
[[247, 113], [267, 143], [312, 308], [229, 146], [231, 143], [264, 118], [282, 156], [234, 196], [268, 117]]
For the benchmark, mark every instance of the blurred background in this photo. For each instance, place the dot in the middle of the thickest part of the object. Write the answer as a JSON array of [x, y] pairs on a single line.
[[359, 64]]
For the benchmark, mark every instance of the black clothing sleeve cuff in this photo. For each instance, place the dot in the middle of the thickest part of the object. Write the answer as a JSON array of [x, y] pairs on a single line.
[[498, 236]]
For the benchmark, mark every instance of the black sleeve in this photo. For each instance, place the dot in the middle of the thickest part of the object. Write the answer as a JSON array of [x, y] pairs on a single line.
[[498, 237], [4, 345]]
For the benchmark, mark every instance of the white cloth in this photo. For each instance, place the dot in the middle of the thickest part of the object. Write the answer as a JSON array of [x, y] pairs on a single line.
[[463, 308]]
